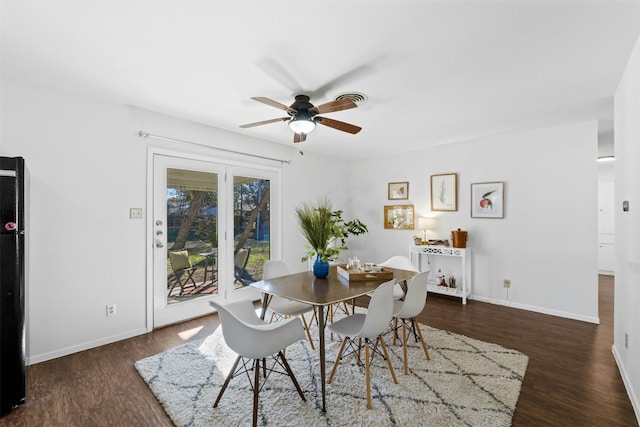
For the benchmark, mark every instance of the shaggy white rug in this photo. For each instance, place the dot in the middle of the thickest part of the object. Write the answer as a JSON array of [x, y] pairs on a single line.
[[466, 383]]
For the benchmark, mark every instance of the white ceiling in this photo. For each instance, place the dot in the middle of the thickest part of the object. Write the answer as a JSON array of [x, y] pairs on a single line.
[[433, 71]]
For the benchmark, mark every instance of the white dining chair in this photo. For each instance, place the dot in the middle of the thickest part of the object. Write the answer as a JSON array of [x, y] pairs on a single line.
[[283, 307], [406, 311], [403, 263], [252, 338], [365, 330]]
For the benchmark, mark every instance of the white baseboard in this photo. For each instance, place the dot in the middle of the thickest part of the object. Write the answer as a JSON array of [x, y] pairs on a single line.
[[542, 310], [627, 383], [31, 360]]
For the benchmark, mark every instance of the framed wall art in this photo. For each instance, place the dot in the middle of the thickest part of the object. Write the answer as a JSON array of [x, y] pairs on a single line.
[[444, 192], [487, 200], [398, 190], [399, 217]]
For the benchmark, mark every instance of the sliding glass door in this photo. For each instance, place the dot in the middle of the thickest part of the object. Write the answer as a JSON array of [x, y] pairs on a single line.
[[212, 231]]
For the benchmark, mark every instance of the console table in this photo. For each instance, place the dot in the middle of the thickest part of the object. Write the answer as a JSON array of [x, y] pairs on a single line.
[[421, 256]]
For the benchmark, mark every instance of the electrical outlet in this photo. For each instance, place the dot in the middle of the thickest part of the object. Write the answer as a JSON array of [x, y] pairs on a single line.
[[135, 213], [626, 340], [111, 310], [506, 283]]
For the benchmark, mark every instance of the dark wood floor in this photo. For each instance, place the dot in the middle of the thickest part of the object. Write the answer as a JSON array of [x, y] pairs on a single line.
[[571, 380]]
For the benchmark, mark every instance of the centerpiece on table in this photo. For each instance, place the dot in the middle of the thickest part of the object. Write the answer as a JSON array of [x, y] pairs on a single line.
[[326, 233]]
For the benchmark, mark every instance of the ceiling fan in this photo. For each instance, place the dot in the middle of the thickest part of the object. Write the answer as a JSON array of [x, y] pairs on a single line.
[[303, 115]]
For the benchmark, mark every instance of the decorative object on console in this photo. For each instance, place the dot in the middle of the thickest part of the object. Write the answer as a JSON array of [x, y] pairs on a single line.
[[444, 192], [398, 191], [459, 238], [487, 200], [399, 217]]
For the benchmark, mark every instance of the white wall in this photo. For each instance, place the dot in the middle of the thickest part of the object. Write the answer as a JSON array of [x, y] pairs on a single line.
[[547, 242], [627, 228], [88, 167]]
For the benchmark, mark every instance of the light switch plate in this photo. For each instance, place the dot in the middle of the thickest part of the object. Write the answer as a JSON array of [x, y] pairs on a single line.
[[135, 213]]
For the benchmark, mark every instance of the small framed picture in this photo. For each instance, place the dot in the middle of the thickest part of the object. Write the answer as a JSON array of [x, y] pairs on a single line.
[[399, 217], [398, 190], [444, 192], [487, 200]]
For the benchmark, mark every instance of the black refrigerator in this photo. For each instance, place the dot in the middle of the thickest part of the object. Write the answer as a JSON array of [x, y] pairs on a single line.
[[13, 187]]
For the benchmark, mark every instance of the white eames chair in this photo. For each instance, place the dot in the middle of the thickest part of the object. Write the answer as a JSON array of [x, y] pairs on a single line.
[[368, 327], [249, 336], [407, 310], [284, 307], [403, 263]]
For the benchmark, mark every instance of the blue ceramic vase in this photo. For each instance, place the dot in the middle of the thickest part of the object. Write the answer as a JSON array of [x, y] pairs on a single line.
[[320, 268]]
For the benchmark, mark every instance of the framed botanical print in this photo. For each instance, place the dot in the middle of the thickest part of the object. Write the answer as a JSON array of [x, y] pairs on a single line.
[[487, 200], [398, 190], [444, 192]]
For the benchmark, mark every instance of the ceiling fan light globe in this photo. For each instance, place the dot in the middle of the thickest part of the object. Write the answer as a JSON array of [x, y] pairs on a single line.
[[302, 125]]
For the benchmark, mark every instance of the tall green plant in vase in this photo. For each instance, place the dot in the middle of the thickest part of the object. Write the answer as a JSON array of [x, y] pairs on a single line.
[[326, 233]]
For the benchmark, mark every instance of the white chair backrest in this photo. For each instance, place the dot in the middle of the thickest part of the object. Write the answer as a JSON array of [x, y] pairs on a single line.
[[379, 312], [233, 320], [399, 261], [416, 296], [274, 268], [250, 337]]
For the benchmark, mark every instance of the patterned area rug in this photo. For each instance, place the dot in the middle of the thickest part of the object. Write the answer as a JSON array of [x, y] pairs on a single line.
[[466, 383]]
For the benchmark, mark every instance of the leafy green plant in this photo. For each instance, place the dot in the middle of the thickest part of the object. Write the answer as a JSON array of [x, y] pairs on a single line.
[[325, 230]]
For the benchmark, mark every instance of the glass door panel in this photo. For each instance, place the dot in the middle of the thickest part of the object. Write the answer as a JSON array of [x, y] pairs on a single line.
[[186, 218], [192, 234], [251, 228]]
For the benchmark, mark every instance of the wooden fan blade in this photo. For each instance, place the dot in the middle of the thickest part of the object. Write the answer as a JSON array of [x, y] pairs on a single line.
[[273, 103], [299, 137], [265, 122], [336, 124], [329, 107]]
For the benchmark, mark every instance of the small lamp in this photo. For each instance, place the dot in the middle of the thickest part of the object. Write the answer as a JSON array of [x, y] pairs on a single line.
[[425, 224]]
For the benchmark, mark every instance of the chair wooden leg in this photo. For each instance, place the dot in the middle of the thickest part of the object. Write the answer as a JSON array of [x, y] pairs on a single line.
[[330, 320], [226, 382], [273, 314], [367, 374], [256, 389], [346, 307], [404, 347], [395, 329], [386, 355], [290, 372], [416, 327], [335, 365], [358, 358], [306, 328]]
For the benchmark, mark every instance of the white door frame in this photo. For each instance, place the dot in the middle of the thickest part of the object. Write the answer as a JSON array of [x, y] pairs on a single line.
[[200, 306]]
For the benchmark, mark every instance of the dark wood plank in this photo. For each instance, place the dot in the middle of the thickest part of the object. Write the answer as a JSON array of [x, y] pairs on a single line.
[[571, 380]]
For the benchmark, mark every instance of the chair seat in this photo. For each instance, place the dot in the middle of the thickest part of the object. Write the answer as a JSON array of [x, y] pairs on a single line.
[[288, 307], [349, 326]]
